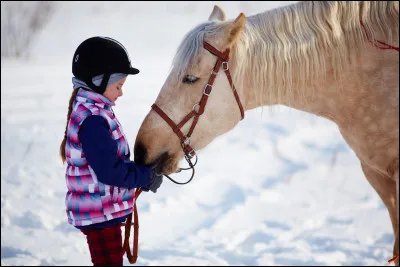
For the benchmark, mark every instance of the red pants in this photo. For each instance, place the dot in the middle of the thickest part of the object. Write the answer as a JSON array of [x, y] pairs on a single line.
[[105, 245]]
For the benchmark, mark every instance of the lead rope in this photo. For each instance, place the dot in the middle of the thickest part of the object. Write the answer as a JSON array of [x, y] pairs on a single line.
[[132, 257]]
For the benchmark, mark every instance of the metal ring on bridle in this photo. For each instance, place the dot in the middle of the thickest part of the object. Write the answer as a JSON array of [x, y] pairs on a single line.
[[188, 159], [191, 167], [187, 154], [184, 169], [186, 142], [193, 108]]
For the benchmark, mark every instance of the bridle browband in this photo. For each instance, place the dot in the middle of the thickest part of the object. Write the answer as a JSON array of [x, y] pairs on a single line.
[[198, 108]]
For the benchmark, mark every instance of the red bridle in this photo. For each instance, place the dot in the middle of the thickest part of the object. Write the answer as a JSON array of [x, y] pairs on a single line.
[[377, 43], [223, 59]]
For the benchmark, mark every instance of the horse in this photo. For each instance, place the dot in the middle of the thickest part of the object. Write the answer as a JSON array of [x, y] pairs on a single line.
[[334, 59]]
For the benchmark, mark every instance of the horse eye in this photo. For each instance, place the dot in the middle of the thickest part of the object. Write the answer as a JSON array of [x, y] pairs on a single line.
[[190, 79]]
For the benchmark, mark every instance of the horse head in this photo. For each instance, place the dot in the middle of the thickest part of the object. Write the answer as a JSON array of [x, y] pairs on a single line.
[[198, 90]]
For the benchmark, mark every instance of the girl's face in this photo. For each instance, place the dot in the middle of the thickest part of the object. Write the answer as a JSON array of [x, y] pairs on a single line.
[[113, 91]]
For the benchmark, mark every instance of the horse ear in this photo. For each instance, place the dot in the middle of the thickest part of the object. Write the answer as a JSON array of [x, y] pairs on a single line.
[[228, 33], [236, 28], [217, 14]]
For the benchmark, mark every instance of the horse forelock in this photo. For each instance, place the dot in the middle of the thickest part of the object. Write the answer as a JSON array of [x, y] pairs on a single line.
[[187, 51]]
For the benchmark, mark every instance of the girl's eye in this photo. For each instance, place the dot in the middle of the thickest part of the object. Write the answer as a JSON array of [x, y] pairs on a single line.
[[190, 79]]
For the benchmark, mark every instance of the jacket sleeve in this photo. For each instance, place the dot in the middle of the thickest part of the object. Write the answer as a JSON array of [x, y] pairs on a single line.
[[100, 151]]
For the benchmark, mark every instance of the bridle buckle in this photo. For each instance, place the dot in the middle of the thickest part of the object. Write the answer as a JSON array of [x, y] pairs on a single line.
[[205, 88], [225, 65]]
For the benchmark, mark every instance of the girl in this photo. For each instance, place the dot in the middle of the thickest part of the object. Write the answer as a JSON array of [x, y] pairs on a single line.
[[100, 177]]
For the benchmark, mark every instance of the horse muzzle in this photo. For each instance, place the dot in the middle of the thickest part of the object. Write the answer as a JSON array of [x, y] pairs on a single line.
[[162, 164]]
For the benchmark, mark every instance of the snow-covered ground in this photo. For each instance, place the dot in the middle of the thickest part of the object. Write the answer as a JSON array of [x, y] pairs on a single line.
[[293, 193]]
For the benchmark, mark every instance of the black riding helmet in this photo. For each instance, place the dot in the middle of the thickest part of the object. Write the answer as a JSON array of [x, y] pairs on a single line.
[[100, 55]]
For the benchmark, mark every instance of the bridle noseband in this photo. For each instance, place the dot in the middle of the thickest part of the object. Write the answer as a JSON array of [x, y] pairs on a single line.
[[198, 108]]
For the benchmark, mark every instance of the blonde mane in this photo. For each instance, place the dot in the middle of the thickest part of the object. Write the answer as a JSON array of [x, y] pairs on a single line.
[[293, 41]]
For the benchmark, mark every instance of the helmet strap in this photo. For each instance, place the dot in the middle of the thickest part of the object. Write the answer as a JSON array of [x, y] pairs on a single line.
[[102, 88]]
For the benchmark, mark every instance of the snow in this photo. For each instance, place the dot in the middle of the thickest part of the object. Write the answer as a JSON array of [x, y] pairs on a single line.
[[292, 194]]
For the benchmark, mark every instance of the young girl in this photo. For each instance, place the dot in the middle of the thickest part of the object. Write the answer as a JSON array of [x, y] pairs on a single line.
[[100, 177]]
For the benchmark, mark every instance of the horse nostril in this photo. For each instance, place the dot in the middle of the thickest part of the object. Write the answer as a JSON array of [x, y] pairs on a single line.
[[140, 154]]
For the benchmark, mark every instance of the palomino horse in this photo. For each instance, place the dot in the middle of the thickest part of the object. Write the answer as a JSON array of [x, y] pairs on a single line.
[[337, 60]]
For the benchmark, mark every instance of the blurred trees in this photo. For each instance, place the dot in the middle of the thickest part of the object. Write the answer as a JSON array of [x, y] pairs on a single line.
[[20, 21]]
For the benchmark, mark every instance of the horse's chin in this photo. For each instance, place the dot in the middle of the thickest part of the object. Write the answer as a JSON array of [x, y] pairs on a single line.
[[165, 164]]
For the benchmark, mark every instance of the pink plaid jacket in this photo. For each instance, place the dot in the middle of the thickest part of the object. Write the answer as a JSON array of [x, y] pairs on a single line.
[[89, 201]]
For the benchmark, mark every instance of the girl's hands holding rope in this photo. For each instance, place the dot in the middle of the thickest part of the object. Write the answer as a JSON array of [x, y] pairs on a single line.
[[155, 182]]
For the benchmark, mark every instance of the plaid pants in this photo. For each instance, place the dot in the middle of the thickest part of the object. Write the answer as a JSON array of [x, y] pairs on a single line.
[[105, 245]]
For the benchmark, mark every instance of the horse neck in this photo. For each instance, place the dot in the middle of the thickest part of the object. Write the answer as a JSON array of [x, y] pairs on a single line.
[[294, 75]]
